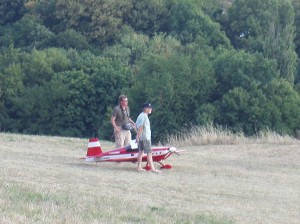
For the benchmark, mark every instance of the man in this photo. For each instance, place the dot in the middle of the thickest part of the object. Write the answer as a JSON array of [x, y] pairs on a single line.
[[143, 138], [122, 123]]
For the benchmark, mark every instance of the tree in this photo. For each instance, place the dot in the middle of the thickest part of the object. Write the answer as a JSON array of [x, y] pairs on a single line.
[[187, 22], [240, 102], [296, 6], [70, 39], [59, 92], [11, 82], [98, 21], [45, 10], [241, 69], [214, 8], [30, 33], [176, 83], [11, 11], [243, 111], [92, 88], [266, 27], [149, 17], [36, 110], [251, 96], [39, 67], [28, 98], [11, 75], [131, 47], [284, 105]]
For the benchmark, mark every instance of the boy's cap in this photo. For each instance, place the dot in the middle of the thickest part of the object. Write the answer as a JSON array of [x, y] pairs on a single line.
[[147, 105]]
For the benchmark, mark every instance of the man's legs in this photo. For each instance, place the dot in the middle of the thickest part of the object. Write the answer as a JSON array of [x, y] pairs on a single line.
[[118, 139], [122, 138], [127, 137]]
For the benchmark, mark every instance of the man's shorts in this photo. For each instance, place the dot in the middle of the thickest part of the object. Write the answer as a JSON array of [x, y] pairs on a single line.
[[145, 145]]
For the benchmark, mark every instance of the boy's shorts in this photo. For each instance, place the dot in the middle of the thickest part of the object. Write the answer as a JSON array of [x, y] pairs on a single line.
[[145, 145]]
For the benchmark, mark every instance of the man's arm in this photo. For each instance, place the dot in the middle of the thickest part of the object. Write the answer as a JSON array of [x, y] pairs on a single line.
[[133, 124], [129, 119], [114, 123]]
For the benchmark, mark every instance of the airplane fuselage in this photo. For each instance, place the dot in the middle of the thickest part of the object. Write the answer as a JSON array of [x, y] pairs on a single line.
[[127, 154]]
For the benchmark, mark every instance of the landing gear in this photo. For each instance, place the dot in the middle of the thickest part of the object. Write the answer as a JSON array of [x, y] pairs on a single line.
[[163, 166]]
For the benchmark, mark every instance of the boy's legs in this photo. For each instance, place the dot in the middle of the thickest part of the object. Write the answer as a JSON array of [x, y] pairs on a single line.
[[139, 160], [150, 160]]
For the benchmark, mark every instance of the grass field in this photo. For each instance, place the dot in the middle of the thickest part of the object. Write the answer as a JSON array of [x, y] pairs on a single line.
[[43, 181]]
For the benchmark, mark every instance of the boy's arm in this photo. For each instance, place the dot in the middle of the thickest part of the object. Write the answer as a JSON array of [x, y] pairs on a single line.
[[139, 132]]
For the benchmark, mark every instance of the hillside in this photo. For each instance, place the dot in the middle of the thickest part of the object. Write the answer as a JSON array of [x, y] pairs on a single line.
[[233, 64], [43, 181]]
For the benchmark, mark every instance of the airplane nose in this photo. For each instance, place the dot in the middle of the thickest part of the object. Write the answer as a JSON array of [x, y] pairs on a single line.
[[172, 149]]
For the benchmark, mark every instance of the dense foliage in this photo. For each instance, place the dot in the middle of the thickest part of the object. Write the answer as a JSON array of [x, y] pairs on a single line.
[[63, 64]]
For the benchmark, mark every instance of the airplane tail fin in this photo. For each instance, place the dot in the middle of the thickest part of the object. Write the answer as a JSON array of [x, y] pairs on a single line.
[[94, 147]]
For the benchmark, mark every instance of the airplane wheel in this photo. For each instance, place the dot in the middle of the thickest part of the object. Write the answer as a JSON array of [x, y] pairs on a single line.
[[147, 168], [167, 166]]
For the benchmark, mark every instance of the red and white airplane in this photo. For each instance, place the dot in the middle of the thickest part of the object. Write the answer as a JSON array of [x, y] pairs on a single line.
[[128, 154]]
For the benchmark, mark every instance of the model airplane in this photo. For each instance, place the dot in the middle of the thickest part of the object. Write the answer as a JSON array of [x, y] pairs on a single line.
[[128, 154]]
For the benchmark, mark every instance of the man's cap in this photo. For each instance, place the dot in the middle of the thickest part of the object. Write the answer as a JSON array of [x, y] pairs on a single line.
[[147, 105]]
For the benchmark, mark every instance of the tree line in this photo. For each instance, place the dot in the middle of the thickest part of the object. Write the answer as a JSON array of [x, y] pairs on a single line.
[[63, 64]]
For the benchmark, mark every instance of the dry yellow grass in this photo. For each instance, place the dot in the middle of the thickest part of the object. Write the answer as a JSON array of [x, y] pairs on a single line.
[[43, 181], [205, 135]]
